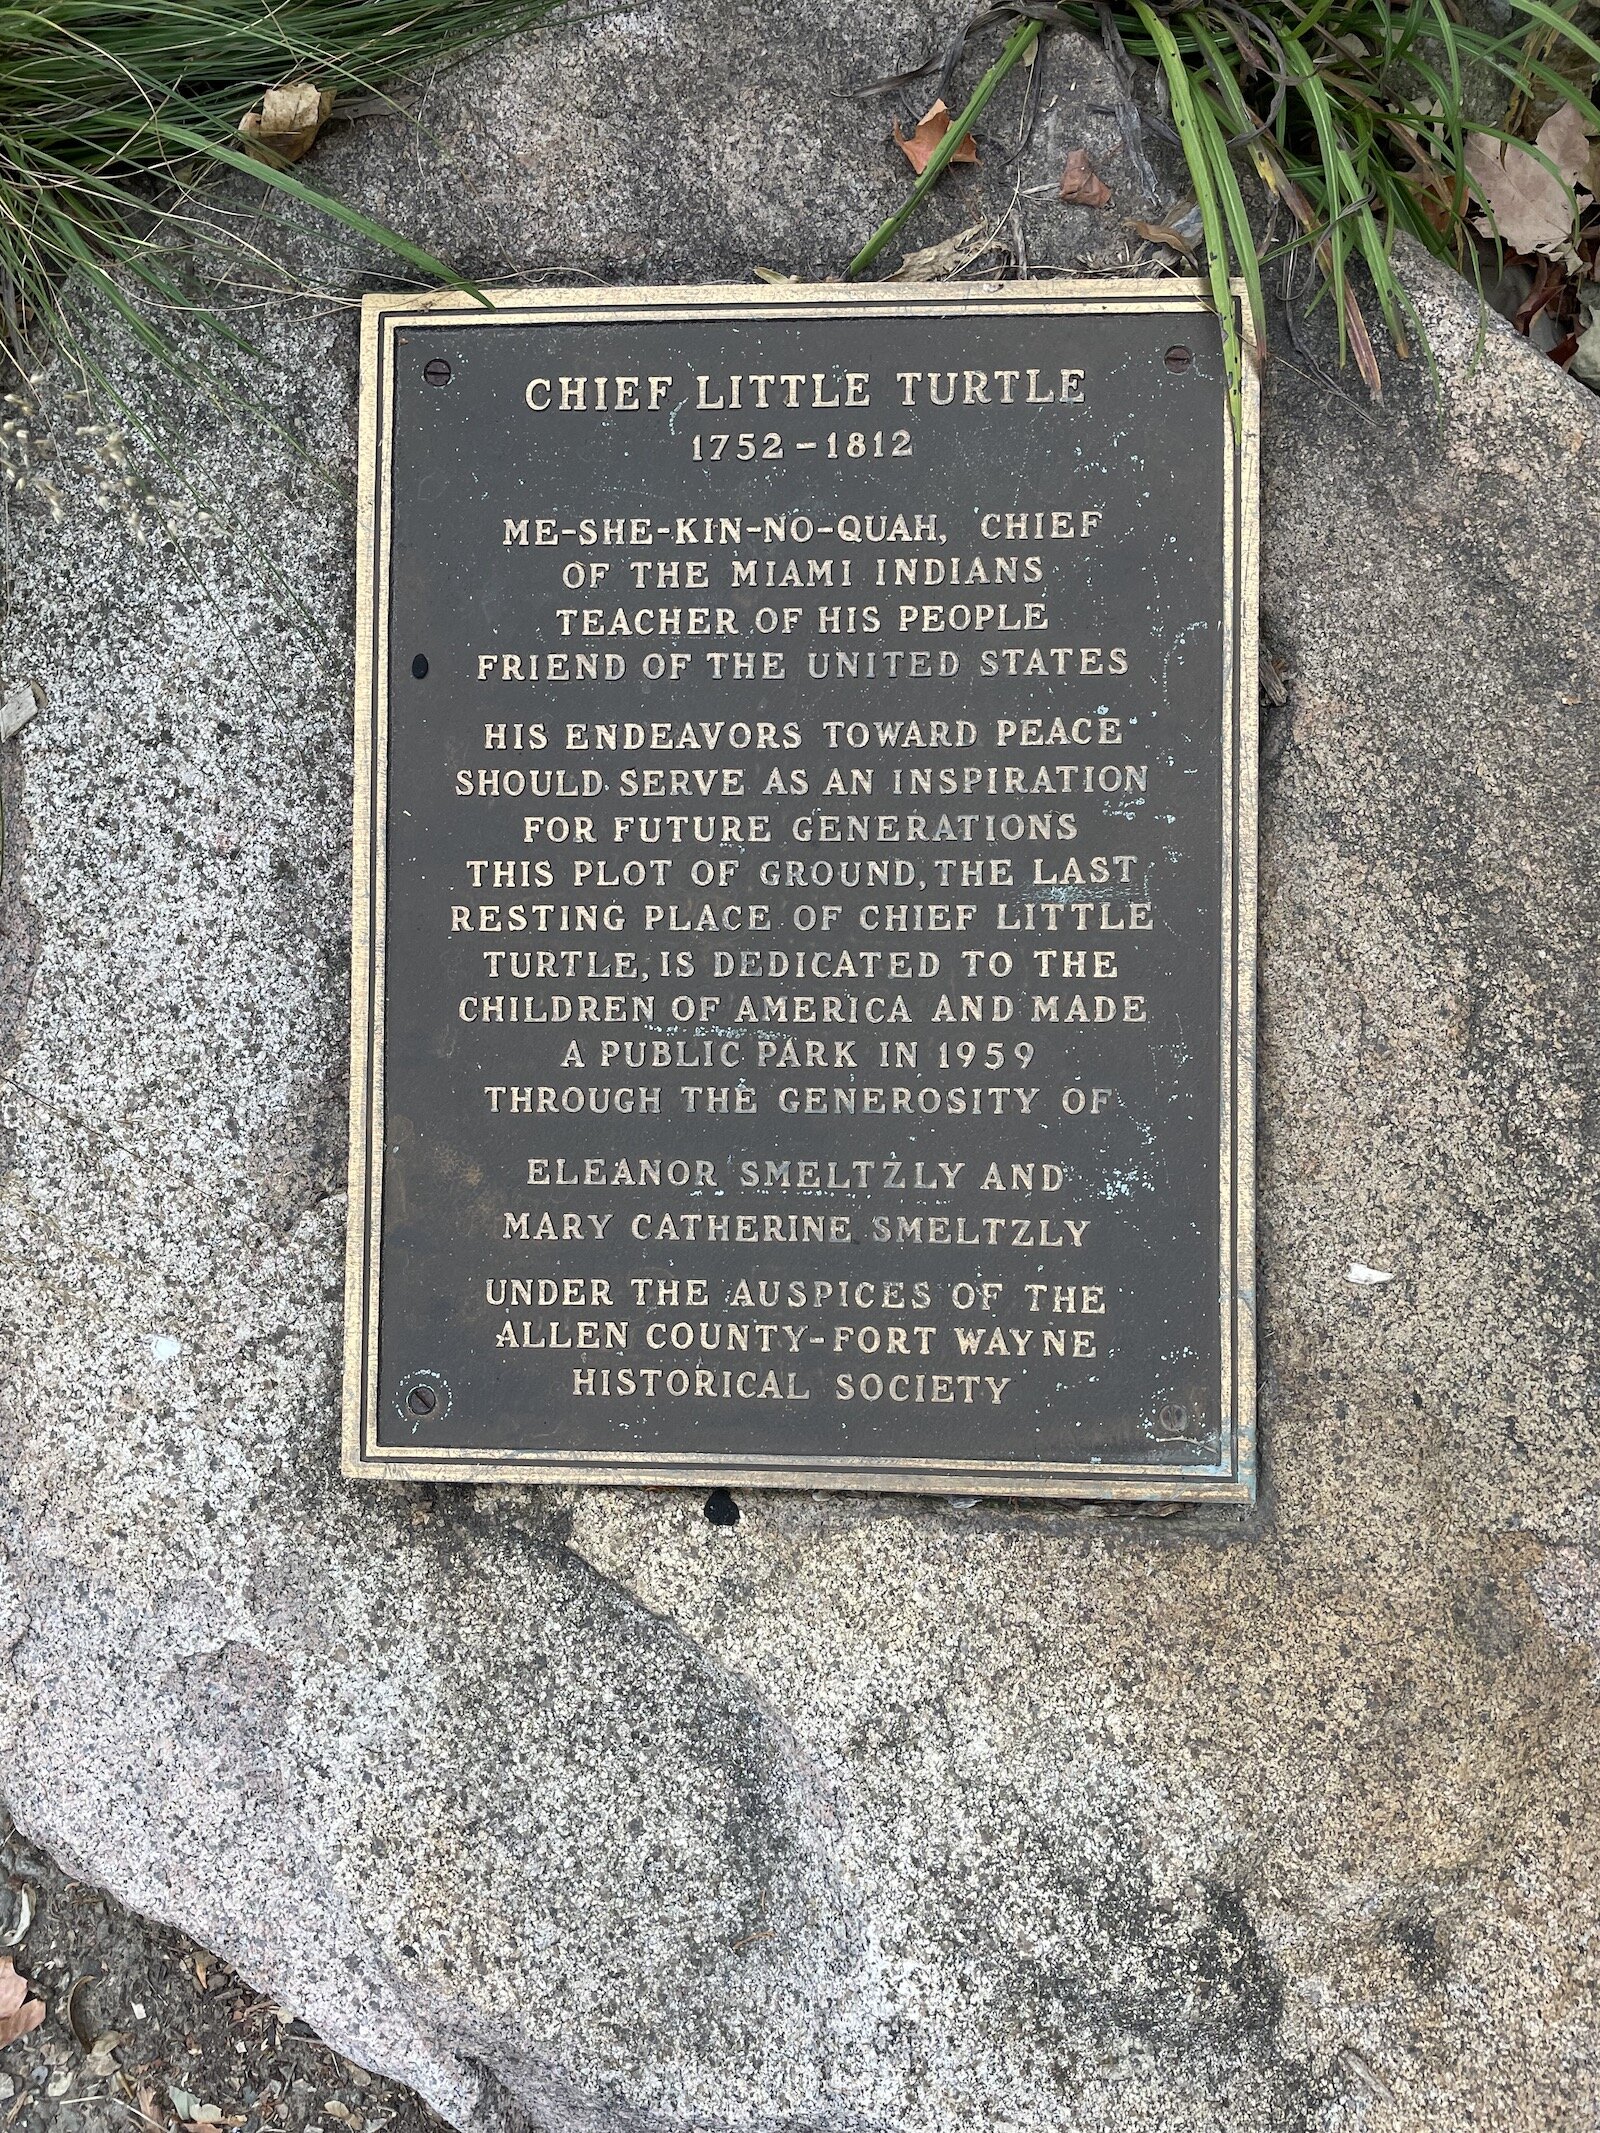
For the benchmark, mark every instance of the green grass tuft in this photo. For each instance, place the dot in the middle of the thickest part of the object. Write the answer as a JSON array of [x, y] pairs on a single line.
[[1353, 114], [107, 110]]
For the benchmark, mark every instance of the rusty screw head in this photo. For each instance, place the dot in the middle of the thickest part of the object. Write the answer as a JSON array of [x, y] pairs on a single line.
[[1178, 358], [437, 371]]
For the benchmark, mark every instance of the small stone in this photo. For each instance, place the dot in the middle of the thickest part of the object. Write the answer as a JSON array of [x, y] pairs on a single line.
[[19, 704]]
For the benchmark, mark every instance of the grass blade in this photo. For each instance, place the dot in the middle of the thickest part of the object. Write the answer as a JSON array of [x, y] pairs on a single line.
[[1020, 41], [1207, 198], [285, 182]]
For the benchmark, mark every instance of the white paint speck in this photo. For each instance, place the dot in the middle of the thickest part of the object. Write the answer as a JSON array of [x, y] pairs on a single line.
[[164, 1349], [1366, 1277]]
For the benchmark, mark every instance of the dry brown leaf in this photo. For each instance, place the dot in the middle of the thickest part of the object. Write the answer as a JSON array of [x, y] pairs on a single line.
[[1081, 184], [1564, 137], [1362, 349], [1160, 233], [286, 123], [1526, 207], [13, 1989], [28, 2016], [931, 130], [935, 262], [76, 2013]]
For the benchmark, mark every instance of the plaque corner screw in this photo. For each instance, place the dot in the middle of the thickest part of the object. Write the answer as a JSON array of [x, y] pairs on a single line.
[[437, 371]]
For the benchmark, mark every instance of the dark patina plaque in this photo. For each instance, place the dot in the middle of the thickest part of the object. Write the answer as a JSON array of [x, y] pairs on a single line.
[[804, 892]]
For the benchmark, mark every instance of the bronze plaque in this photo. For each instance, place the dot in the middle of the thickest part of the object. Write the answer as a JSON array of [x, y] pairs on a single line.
[[804, 892]]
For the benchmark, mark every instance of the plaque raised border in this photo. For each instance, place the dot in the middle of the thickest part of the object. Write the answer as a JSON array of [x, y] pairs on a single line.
[[1233, 1479]]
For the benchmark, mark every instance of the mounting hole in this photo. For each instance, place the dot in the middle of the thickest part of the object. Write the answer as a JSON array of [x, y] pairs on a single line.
[[419, 667], [423, 1396], [721, 1510], [437, 371], [1174, 1415], [1178, 358]]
